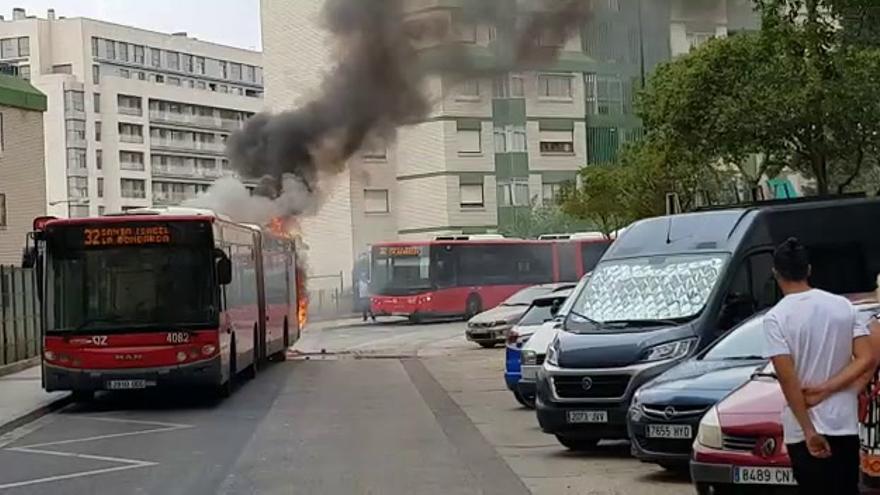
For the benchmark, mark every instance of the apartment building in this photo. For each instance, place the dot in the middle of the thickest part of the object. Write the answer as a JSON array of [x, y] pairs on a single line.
[[22, 167], [492, 147], [135, 118]]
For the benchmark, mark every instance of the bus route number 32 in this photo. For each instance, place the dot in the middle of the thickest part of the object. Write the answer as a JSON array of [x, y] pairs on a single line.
[[177, 338]]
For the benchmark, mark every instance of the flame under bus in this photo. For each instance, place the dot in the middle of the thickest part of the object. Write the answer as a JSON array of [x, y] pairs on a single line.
[[143, 300]]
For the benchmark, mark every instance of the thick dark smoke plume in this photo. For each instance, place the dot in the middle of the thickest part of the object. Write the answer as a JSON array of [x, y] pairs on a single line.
[[376, 87]]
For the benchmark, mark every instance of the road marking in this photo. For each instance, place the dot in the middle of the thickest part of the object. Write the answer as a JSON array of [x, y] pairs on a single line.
[[38, 449]]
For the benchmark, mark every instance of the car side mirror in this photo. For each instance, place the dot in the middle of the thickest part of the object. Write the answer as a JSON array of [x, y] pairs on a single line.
[[224, 269]]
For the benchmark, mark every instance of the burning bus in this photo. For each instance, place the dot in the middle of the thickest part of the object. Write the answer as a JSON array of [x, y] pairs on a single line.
[[162, 297]]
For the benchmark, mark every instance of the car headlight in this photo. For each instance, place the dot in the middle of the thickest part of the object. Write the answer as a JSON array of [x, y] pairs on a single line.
[[553, 354], [501, 323], [709, 433], [670, 350], [635, 407], [529, 358]]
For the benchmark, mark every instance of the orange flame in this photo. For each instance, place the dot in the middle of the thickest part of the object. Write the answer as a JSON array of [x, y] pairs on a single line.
[[302, 299]]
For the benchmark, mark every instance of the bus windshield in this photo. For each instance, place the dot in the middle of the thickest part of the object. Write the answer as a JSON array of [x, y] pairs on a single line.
[[130, 287], [650, 288], [401, 271]]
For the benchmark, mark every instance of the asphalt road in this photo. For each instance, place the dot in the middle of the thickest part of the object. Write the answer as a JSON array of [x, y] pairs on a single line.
[[386, 409]]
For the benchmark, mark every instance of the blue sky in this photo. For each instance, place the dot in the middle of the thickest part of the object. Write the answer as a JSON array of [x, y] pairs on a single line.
[[231, 22]]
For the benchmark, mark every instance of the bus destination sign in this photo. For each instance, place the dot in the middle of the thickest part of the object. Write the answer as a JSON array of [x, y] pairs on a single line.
[[146, 235], [400, 251]]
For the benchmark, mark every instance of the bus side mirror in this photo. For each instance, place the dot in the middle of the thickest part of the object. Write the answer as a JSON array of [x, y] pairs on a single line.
[[224, 269], [29, 257]]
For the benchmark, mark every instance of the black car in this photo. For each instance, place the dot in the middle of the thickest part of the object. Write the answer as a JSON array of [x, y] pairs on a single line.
[[665, 413]]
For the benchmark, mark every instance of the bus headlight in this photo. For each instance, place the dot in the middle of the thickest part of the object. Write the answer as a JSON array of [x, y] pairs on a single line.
[[181, 357], [208, 349], [529, 358], [49, 355], [709, 432]]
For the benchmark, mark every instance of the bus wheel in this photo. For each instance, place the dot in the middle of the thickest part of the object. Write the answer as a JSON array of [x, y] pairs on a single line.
[[83, 395], [473, 307]]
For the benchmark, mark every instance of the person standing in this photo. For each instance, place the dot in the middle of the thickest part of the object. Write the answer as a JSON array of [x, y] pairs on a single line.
[[364, 296], [813, 336]]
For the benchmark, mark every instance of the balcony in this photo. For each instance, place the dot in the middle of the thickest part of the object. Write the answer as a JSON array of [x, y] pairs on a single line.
[[132, 166], [77, 172], [169, 199], [186, 172], [204, 121], [132, 138], [189, 145], [136, 111]]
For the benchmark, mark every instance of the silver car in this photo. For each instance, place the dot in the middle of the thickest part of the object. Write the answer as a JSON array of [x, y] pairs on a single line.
[[490, 327]]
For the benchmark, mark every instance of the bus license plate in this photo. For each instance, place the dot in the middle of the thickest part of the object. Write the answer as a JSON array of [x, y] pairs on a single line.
[[587, 416], [127, 384], [669, 431], [763, 476]]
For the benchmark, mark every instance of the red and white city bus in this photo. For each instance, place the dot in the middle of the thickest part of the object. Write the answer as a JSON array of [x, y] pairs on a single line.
[[156, 298], [462, 276]]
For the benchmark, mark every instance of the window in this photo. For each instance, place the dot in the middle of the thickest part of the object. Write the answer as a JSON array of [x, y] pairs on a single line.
[[24, 46], [99, 159], [554, 86], [187, 62], [551, 192], [96, 102], [557, 142], [155, 57], [100, 187], [8, 48], [24, 72], [125, 73], [200, 65], [131, 160], [173, 60], [98, 131], [94, 46], [604, 94], [510, 86], [101, 211], [78, 211], [96, 74], [468, 90], [174, 81], [131, 133], [223, 70], [375, 148], [696, 40], [76, 159], [513, 192], [139, 54], [223, 88], [76, 130], [510, 139], [133, 188], [201, 84], [141, 76], [74, 101], [469, 137], [235, 71], [78, 187], [2, 137], [159, 78], [2, 210], [375, 200], [129, 105], [110, 47], [250, 73], [471, 195], [122, 51]]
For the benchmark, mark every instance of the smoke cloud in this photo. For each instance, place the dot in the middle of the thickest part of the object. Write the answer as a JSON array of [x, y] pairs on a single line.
[[374, 88]]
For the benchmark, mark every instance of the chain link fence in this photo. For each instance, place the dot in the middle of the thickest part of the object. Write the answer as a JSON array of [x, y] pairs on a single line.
[[19, 315]]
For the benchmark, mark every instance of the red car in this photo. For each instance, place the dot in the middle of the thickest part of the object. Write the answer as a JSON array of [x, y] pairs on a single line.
[[739, 446]]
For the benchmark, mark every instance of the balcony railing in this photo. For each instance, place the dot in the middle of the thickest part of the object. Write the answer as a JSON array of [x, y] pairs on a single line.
[[189, 145], [190, 172], [131, 138], [134, 166], [133, 194], [170, 198], [137, 111], [77, 171], [195, 120]]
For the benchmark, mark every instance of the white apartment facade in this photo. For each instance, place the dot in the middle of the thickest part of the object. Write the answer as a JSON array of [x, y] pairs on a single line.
[[135, 118], [491, 148]]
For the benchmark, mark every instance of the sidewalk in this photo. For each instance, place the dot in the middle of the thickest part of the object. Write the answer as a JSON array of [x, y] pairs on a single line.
[[23, 400]]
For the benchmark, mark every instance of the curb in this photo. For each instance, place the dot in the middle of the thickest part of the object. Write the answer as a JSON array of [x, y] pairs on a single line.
[[17, 366], [36, 414]]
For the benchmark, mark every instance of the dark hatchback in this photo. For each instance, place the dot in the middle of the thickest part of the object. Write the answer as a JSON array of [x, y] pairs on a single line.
[[665, 413]]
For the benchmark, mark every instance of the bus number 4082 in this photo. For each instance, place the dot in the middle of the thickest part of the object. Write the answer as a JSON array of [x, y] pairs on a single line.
[[177, 338]]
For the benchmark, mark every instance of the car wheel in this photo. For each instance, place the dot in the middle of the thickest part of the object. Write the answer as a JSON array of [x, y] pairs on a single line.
[[473, 307], [578, 444], [528, 402], [487, 344]]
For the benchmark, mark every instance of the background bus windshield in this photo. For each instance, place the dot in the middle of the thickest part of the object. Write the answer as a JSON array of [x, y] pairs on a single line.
[[399, 271], [125, 288]]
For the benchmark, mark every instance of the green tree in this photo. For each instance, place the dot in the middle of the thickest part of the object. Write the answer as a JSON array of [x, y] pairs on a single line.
[[543, 219]]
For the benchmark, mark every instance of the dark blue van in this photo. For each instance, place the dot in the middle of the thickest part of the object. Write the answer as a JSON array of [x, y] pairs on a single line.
[[669, 286]]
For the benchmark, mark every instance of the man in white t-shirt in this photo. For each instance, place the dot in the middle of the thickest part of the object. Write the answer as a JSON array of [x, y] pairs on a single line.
[[812, 336]]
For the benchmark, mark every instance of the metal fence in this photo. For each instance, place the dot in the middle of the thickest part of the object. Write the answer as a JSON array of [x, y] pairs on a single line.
[[328, 297], [19, 315]]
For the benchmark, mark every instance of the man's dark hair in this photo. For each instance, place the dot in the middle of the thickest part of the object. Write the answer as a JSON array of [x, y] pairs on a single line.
[[791, 261]]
